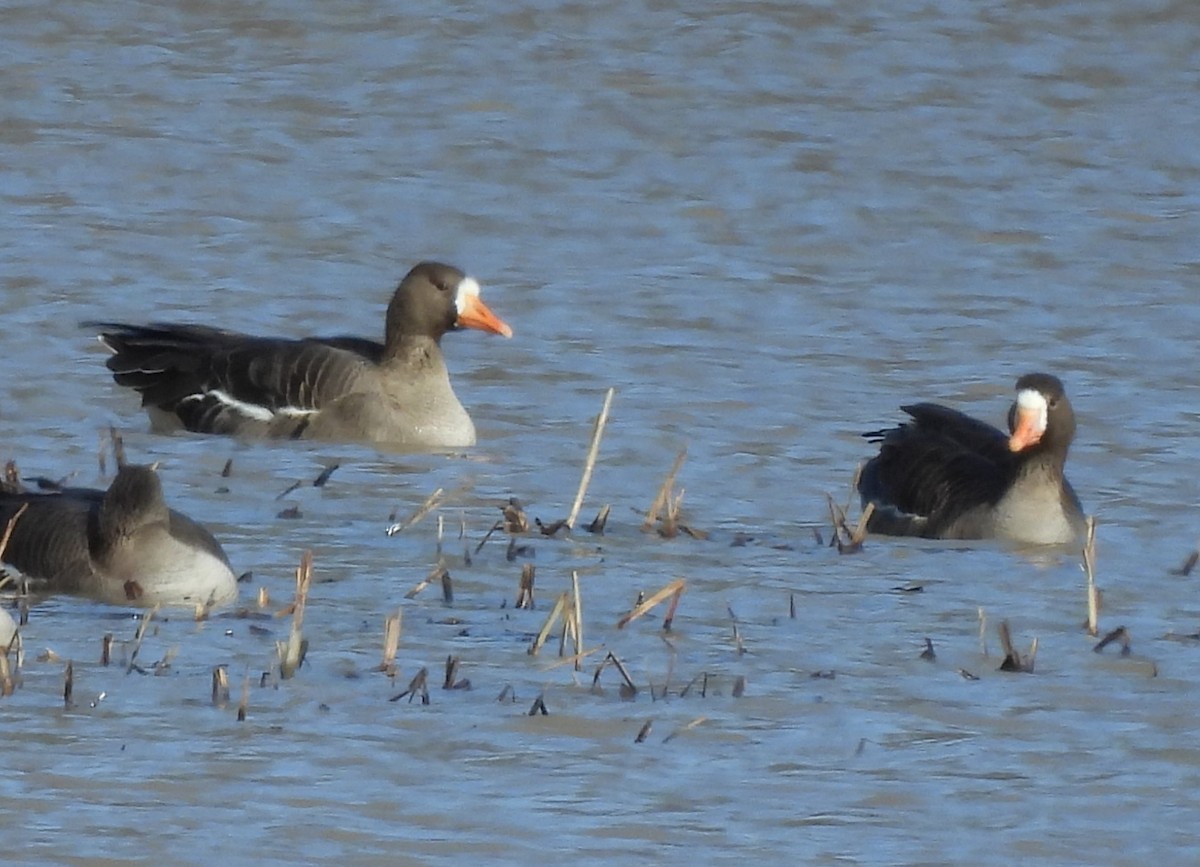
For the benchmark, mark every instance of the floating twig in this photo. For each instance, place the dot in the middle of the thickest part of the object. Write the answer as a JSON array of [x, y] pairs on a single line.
[[590, 463]]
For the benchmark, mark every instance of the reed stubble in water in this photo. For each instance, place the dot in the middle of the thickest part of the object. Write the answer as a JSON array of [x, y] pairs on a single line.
[[1013, 660], [589, 464], [674, 590], [292, 652], [1092, 625]]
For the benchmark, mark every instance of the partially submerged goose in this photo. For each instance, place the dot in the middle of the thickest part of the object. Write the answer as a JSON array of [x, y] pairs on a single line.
[[397, 392], [122, 545], [945, 475]]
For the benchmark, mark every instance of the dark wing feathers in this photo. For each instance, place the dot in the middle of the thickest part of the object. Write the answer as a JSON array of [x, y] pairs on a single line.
[[938, 466], [49, 540], [179, 369]]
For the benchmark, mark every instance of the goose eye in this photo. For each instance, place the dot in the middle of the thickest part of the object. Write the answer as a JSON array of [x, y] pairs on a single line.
[[1053, 402]]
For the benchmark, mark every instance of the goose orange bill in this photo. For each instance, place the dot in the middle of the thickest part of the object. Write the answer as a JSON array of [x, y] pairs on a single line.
[[476, 314], [1028, 431]]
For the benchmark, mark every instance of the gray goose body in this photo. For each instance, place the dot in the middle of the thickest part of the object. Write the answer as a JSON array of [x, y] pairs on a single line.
[[398, 392], [945, 475], [122, 545]]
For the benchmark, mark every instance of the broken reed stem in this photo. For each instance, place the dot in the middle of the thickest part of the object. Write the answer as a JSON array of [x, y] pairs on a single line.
[[291, 652], [590, 464], [576, 659], [244, 703], [1089, 566], [860, 529], [391, 639], [525, 587], [684, 728], [138, 636], [560, 606], [578, 614], [675, 587], [664, 492], [431, 503], [435, 574], [220, 686]]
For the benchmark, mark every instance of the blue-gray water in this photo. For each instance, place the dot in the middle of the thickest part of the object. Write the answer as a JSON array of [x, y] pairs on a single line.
[[766, 225]]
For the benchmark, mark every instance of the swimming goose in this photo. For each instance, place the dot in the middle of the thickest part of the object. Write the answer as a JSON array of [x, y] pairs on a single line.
[[945, 475], [348, 388], [122, 545]]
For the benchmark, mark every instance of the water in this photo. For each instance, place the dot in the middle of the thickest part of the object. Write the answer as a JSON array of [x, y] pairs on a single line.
[[766, 225]]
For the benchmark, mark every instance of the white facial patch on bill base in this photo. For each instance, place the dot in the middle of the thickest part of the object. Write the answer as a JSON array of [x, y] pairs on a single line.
[[1032, 400], [468, 287]]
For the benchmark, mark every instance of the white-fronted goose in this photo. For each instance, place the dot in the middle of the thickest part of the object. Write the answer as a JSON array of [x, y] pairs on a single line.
[[122, 545], [344, 388], [945, 475]]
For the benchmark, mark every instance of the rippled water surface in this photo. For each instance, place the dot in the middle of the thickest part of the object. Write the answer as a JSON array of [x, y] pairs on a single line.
[[766, 225]]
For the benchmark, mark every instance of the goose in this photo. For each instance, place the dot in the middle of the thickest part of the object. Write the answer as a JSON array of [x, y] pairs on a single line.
[[208, 380], [122, 545], [945, 475]]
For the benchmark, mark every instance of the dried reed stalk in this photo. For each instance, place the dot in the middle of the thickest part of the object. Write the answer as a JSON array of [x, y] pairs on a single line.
[[435, 574], [664, 492], [431, 503], [525, 586], [685, 728], [601, 519], [1013, 661], [675, 588], [220, 686], [419, 685], [560, 607], [292, 651], [244, 702], [1089, 566], [391, 641], [578, 613], [590, 464], [138, 637]]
